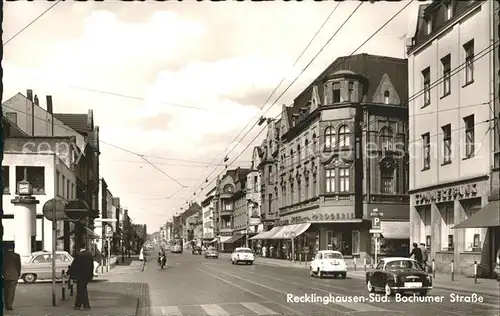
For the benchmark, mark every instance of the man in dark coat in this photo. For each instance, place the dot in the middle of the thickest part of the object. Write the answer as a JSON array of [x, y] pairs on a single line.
[[11, 273], [416, 253], [82, 270]]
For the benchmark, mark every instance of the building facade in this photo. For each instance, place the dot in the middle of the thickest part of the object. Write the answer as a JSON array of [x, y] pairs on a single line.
[[451, 75], [192, 219], [342, 152], [50, 173], [253, 195], [208, 206]]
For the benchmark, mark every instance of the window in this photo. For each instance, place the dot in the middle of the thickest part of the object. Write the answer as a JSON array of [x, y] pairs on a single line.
[[449, 10], [425, 227], [72, 191], [344, 179], [330, 138], [426, 75], [67, 190], [35, 175], [446, 66], [315, 185], [61, 189], [472, 235], [355, 241], [387, 186], [314, 144], [336, 93], [469, 62], [386, 138], [12, 117], [344, 136], [350, 94], [306, 149], [299, 154], [291, 157], [291, 192], [329, 240], [469, 136], [380, 265], [447, 222], [426, 147], [270, 174], [307, 188], [446, 143], [330, 180], [270, 204], [6, 179], [386, 97], [228, 206], [428, 25], [299, 190]]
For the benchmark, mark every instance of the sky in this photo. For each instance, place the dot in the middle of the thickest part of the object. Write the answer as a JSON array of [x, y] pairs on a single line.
[[178, 81]]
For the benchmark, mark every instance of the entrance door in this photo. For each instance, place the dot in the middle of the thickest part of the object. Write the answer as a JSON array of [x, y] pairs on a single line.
[[346, 246]]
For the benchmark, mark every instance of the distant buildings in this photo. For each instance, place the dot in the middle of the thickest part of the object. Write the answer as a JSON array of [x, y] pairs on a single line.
[[452, 148], [208, 208]]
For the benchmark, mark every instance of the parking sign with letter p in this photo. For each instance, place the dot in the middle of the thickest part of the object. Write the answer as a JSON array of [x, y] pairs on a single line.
[[376, 223]]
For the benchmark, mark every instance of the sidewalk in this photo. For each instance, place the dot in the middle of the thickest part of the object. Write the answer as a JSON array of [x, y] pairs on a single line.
[[441, 281], [113, 293]]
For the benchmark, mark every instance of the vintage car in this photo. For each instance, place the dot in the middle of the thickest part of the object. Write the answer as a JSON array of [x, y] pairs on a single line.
[[196, 250], [39, 265], [211, 252], [242, 255], [328, 262], [398, 275]]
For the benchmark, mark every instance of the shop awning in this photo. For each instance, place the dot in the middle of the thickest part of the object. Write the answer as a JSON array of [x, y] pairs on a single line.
[[395, 230], [223, 239], [267, 234], [488, 216], [290, 231], [233, 239], [213, 240]]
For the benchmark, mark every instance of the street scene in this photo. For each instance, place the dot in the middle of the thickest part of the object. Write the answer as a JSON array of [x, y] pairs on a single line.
[[237, 159]]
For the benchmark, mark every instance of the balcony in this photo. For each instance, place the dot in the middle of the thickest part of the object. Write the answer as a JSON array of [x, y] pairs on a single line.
[[226, 212], [226, 230], [226, 195]]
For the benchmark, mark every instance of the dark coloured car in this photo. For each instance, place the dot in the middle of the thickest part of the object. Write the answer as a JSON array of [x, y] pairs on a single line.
[[196, 250], [212, 253], [399, 275]]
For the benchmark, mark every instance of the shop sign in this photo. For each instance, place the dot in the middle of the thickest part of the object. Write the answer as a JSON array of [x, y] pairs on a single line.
[[226, 234], [299, 219], [333, 216], [445, 195]]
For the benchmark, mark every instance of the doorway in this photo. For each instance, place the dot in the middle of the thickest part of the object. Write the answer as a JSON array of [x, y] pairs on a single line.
[[346, 244]]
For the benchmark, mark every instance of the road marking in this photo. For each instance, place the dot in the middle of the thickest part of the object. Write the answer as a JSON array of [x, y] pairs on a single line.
[[258, 309], [214, 310], [170, 311]]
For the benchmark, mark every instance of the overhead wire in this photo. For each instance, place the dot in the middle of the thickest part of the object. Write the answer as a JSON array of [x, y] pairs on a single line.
[[358, 48], [279, 97]]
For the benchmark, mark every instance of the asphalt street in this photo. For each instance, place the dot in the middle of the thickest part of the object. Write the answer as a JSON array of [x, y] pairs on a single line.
[[191, 285]]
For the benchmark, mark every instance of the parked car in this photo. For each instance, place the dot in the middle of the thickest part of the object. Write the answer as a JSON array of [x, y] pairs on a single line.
[[328, 262], [39, 266], [399, 275], [242, 255], [196, 250], [211, 252]]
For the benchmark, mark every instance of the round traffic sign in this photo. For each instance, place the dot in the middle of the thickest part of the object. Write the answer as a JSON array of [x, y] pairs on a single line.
[[54, 212]]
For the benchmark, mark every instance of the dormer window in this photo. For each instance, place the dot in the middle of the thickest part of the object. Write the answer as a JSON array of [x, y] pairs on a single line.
[[449, 11], [428, 25], [350, 92], [336, 96], [386, 97]]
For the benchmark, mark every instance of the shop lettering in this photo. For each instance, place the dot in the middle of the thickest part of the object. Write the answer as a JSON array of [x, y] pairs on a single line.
[[448, 194], [333, 216]]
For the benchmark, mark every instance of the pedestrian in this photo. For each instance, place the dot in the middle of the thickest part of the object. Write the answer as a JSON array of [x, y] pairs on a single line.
[[82, 270], [11, 274], [425, 256], [142, 258], [416, 253], [264, 251]]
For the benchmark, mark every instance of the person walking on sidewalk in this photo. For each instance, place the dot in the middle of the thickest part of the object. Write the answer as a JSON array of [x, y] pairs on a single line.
[[82, 269], [425, 256], [416, 253], [142, 258], [11, 273]]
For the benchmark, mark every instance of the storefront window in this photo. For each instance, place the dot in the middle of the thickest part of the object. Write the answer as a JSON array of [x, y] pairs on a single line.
[[447, 222], [425, 224], [472, 235], [355, 241]]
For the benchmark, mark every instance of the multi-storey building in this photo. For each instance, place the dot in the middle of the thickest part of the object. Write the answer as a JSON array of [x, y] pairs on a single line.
[[208, 206], [342, 155], [253, 195], [192, 222], [229, 189], [26, 113], [451, 76]]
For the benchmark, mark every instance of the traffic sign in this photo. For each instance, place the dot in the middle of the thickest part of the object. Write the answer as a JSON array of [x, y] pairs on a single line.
[[376, 223], [376, 235], [376, 231], [109, 231], [377, 214]]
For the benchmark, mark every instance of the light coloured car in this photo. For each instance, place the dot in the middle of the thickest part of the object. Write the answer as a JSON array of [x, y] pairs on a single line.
[[328, 262], [242, 255], [39, 266], [212, 253]]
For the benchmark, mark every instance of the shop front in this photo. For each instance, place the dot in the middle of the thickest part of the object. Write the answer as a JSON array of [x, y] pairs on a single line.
[[395, 239]]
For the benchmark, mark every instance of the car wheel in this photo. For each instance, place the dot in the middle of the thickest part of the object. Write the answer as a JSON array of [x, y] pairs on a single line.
[[320, 274], [29, 278], [343, 275], [387, 289], [232, 262], [311, 272], [424, 293], [216, 257], [251, 262], [370, 287]]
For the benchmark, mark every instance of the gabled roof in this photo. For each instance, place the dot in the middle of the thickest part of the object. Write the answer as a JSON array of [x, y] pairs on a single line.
[[10, 129], [78, 122]]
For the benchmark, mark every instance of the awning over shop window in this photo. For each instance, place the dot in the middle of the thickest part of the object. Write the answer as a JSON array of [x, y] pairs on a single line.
[[233, 239], [289, 231], [488, 216], [213, 240], [395, 230], [223, 239], [267, 234]]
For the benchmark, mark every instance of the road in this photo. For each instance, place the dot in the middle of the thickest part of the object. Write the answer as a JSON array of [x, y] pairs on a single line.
[[194, 286]]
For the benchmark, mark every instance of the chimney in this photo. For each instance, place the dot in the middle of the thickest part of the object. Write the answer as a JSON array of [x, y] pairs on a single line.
[[49, 104], [29, 94], [36, 100]]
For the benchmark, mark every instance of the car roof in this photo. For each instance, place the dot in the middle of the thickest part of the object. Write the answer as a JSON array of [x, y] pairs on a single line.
[[386, 260], [329, 251], [58, 252], [242, 248]]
